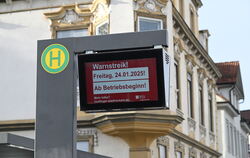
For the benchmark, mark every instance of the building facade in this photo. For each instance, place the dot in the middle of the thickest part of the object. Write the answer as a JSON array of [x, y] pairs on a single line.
[[193, 72], [246, 117], [234, 130]]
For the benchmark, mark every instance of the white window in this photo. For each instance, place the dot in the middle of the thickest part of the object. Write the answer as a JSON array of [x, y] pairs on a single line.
[[102, 29], [83, 146], [149, 24], [162, 151], [71, 33]]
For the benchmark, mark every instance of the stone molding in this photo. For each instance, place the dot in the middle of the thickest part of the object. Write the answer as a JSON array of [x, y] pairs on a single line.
[[88, 132], [193, 44], [79, 16], [192, 152], [194, 143], [151, 6]]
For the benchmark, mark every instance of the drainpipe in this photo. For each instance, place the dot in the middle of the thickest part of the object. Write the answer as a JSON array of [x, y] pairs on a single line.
[[231, 94]]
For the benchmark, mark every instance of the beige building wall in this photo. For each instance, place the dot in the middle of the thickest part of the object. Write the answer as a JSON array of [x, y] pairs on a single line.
[[24, 28]]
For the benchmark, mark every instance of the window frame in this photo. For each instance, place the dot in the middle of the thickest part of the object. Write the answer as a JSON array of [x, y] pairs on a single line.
[[211, 114], [190, 95], [177, 151], [90, 139], [179, 148], [177, 84], [164, 142], [228, 136], [166, 150], [138, 14], [149, 18], [63, 29], [201, 104]]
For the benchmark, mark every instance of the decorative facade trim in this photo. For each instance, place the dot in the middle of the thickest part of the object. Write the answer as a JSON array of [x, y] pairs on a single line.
[[151, 6], [191, 124], [192, 152], [202, 74], [196, 144], [178, 45], [203, 132], [79, 16], [101, 11], [193, 44], [164, 140], [70, 17], [151, 9], [203, 155], [89, 132], [190, 61], [212, 138], [178, 146]]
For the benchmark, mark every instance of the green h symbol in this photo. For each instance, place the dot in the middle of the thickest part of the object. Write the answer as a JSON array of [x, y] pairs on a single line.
[[58, 58]]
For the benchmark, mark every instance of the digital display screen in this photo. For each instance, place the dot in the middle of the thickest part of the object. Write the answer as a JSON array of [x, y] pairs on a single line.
[[121, 80], [117, 81]]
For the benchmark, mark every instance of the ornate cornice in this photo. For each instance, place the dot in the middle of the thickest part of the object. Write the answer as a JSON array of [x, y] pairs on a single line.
[[186, 139], [100, 10], [178, 146], [163, 140], [195, 46], [151, 6], [197, 3], [63, 10], [192, 152], [179, 44]]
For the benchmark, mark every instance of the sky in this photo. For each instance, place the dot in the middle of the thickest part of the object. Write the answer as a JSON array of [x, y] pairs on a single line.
[[228, 22]]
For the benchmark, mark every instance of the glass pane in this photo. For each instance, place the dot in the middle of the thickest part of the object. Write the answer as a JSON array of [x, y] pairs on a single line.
[[162, 151], [83, 146], [72, 33], [149, 24], [102, 29], [178, 154]]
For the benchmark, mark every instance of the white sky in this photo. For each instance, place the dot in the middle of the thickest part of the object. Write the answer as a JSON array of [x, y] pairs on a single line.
[[228, 22]]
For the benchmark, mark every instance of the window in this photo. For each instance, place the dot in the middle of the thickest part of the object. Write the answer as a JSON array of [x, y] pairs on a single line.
[[235, 142], [85, 143], [238, 143], [149, 24], [201, 105], [192, 20], [189, 95], [162, 151], [231, 136], [228, 136], [71, 33], [177, 85], [178, 154], [210, 103], [102, 29], [83, 146]]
